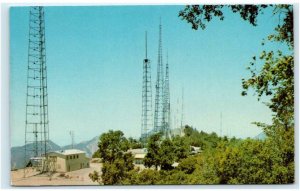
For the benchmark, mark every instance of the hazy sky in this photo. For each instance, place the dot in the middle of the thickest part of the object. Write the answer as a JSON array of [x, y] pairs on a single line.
[[95, 56]]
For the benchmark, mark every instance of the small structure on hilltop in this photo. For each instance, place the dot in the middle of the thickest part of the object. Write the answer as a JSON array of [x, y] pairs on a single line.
[[138, 155], [195, 150], [68, 160], [178, 132]]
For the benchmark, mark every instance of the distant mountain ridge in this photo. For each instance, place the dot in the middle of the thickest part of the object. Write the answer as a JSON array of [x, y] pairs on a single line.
[[17, 153], [88, 146], [261, 136]]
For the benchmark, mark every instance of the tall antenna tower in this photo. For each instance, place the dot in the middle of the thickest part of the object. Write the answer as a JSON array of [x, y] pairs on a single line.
[[147, 115], [167, 109], [159, 87], [37, 123], [182, 112]]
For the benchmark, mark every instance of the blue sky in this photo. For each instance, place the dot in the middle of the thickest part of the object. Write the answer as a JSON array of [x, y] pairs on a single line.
[[94, 60]]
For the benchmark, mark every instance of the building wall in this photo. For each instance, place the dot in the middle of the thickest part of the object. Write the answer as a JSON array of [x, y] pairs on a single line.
[[76, 162], [66, 163], [61, 164]]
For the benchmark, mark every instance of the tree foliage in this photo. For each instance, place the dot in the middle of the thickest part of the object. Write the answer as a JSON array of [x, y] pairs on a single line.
[[271, 75], [276, 77], [200, 15], [223, 160], [116, 161], [153, 154], [164, 152]]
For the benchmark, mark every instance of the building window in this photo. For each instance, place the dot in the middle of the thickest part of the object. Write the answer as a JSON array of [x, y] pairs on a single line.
[[67, 157], [77, 156]]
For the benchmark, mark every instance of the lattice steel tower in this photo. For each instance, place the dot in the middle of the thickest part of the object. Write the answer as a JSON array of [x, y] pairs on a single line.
[[36, 125], [167, 108], [147, 115], [159, 87]]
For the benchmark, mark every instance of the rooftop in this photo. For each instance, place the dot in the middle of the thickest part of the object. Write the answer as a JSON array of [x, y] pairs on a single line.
[[138, 151], [140, 156], [69, 151]]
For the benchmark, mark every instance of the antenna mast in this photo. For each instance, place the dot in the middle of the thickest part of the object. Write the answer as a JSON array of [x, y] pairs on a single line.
[[166, 111], [37, 122], [182, 102], [72, 139], [147, 115], [159, 87]]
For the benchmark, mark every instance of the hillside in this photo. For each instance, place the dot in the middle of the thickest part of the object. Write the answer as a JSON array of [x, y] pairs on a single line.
[[88, 146], [17, 153]]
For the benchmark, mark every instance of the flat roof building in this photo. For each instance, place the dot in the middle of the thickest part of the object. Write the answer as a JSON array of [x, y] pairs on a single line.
[[138, 155], [68, 160]]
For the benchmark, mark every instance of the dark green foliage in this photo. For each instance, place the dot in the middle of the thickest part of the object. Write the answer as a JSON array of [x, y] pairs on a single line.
[[95, 177], [198, 15], [181, 148], [96, 154], [117, 163], [188, 165], [145, 177], [115, 172], [153, 156], [271, 75], [167, 155], [200, 139], [232, 161], [112, 145], [134, 144], [163, 153]]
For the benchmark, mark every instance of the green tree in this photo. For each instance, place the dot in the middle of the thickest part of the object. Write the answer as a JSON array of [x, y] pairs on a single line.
[[271, 75], [134, 144], [96, 154], [112, 144], [145, 177], [181, 148], [188, 165], [117, 163], [276, 78], [153, 157], [167, 155]]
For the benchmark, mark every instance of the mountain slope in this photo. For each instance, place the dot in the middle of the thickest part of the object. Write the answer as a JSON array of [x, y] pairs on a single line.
[[261, 136], [17, 153], [88, 146]]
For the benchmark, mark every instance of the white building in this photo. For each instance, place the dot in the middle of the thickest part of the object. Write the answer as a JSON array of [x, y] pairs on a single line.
[[138, 155], [68, 160]]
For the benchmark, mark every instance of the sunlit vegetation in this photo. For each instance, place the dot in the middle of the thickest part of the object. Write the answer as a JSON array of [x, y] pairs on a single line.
[[223, 160]]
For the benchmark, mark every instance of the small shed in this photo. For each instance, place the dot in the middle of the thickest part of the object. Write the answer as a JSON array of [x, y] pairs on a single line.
[[68, 160], [138, 155]]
